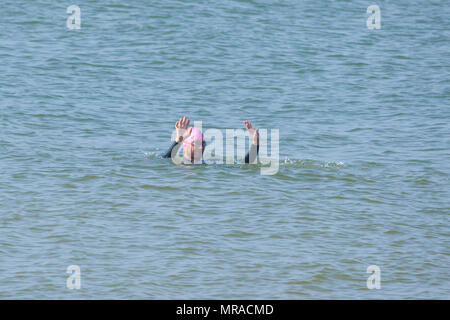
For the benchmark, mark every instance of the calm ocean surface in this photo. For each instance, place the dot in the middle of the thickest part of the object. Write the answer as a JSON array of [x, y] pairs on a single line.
[[363, 117]]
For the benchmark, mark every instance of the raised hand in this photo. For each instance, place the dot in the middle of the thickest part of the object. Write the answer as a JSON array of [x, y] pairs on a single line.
[[253, 132], [182, 129]]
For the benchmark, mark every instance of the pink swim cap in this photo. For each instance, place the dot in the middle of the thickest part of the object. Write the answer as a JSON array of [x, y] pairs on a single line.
[[196, 135]]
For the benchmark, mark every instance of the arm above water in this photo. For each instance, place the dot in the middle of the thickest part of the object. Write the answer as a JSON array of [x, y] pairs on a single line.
[[173, 148], [252, 154], [254, 148]]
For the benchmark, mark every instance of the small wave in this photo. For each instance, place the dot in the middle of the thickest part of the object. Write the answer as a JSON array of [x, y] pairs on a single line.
[[286, 163], [149, 186], [309, 163]]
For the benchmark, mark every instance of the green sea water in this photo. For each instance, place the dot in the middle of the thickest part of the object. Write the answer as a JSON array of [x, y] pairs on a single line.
[[363, 118]]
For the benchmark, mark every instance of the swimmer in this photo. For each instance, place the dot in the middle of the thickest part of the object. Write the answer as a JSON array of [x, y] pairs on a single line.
[[194, 143]]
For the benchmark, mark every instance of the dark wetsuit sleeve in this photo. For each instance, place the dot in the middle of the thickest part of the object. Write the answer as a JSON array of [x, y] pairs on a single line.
[[252, 154], [174, 147]]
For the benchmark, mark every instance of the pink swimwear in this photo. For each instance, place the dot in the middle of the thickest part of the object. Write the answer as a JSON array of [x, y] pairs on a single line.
[[196, 135]]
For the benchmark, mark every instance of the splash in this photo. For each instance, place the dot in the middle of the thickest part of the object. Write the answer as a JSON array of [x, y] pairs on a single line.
[[310, 163]]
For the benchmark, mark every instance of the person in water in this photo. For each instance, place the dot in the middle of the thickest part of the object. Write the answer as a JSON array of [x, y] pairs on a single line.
[[194, 143]]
